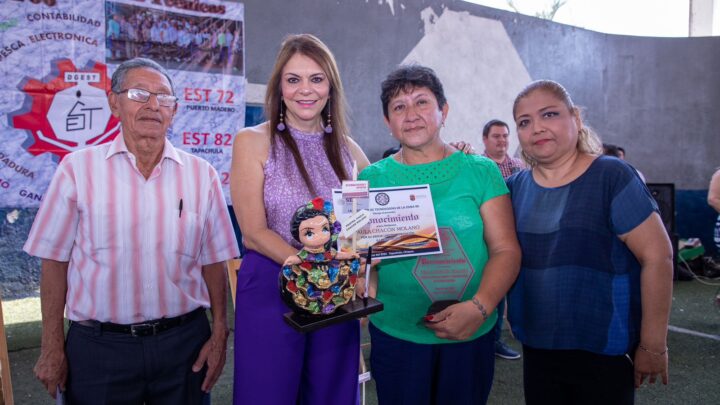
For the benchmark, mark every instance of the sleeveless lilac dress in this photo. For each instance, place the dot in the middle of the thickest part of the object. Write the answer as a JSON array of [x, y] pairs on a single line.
[[274, 364]]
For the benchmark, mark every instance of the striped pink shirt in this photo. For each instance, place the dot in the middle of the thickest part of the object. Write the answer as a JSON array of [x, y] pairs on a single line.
[[133, 254]]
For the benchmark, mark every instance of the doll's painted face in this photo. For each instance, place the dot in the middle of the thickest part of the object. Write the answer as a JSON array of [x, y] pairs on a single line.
[[314, 232]]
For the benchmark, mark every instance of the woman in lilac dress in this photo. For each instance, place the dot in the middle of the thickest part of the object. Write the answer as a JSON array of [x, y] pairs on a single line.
[[301, 152]]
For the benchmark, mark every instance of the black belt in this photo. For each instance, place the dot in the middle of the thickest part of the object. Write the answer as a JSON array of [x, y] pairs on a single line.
[[147, 328]]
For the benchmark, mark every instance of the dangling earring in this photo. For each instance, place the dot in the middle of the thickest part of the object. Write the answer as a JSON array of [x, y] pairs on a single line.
[[328, 129], [281, 124]]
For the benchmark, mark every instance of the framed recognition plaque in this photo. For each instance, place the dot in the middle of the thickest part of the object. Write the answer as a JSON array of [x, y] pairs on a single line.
[[444, 277]]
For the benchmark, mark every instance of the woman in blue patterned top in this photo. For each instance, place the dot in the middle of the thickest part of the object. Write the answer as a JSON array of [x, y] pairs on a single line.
[[592, 301]]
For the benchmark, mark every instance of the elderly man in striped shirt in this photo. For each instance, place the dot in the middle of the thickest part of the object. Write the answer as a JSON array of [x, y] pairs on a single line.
[[133, 236]]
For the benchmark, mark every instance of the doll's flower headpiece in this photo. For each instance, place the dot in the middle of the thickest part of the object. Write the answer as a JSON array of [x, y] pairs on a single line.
[[326, 208]]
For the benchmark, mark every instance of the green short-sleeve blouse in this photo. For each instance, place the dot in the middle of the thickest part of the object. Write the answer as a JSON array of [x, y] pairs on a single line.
[[459, 184]]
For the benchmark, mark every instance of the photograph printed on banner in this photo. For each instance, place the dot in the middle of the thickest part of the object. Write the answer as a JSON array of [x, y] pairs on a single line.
[[178, 41]]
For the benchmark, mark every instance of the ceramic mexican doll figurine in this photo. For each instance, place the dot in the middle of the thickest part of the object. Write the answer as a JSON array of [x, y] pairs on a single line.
[[318, 279]]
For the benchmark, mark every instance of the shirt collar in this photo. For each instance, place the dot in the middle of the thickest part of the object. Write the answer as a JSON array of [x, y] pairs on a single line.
[[118, 146]]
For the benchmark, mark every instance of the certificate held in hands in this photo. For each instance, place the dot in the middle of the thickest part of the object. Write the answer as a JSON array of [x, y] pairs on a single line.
[[401, 222]]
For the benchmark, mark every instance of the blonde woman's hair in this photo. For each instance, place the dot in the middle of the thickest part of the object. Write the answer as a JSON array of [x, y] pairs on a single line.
[[588, 141]]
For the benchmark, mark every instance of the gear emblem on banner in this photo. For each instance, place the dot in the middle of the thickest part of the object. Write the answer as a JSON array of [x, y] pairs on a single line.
[[68, 111]]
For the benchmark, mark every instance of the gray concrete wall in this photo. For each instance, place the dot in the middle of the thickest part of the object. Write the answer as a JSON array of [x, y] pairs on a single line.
[[654, 96]]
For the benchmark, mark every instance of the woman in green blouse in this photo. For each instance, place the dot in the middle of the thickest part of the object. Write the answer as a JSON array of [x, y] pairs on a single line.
[[447, 357]]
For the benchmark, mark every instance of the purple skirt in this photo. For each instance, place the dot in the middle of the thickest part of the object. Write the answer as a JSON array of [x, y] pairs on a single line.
[[274, 364]]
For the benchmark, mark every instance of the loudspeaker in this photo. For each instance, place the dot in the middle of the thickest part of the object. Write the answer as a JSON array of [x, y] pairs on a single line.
[[664, 195]]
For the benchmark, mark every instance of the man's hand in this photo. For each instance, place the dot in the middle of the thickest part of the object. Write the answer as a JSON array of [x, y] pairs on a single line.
[[213, 354], [463, 146], [456, 322], [213, 351], [51, 370]]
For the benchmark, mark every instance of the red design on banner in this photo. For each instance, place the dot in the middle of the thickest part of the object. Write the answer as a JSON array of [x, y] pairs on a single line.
[[68, 112]]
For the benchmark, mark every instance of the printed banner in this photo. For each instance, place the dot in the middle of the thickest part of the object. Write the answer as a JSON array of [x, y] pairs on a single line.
[[57, 58], [402, 222]]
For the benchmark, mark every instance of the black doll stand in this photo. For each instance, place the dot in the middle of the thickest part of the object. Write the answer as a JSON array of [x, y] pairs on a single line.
[[352, 310]]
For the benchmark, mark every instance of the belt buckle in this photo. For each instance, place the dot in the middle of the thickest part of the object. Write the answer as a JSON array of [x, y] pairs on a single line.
[[143, 329]]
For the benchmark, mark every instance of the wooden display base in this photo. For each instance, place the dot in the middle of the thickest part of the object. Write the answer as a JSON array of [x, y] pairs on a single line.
[[352, 310]]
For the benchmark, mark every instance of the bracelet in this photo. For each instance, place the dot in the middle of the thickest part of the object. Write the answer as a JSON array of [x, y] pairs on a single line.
[[643, 348], [480, 308]]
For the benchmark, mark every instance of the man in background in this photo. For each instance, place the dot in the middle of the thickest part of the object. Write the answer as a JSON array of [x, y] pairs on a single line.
[[495, 138], [610, 149]]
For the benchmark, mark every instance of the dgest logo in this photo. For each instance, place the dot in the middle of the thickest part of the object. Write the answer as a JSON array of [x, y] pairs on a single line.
[[66, 112]]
